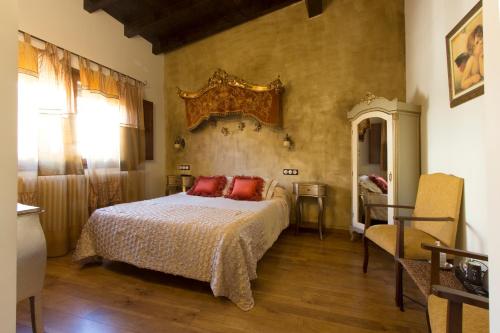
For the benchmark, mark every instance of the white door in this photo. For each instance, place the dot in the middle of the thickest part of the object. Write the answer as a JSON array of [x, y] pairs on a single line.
[[356, 224]]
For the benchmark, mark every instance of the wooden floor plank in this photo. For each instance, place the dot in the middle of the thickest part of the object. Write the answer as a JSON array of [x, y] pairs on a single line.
[[303, 285]]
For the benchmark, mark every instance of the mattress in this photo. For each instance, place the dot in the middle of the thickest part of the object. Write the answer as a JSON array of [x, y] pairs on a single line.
[[216, 240]]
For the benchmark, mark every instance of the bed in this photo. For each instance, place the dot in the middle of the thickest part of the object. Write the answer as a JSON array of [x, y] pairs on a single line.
[[370, 193], [216, 240]]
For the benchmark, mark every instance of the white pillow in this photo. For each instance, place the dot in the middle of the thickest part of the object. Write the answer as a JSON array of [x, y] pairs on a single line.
[[226, 188], [269, 186]]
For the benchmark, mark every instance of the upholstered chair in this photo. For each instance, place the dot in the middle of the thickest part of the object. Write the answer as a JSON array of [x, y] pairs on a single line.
[[31, 261], [451, 309], [435, 218]]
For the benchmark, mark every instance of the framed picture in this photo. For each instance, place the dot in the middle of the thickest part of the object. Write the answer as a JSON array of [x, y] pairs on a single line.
[[465, 57]]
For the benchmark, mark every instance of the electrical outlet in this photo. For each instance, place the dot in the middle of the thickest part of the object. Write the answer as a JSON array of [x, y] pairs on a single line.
[[184, 167], [291, 172]]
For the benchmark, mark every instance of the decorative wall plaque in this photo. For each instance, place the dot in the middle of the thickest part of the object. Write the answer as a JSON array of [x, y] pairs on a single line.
[[226, 95]]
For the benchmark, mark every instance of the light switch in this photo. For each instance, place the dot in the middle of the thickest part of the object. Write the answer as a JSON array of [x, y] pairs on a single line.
[[291, 172]]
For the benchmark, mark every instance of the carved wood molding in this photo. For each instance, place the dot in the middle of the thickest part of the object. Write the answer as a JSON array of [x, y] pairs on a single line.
[[227, 95]]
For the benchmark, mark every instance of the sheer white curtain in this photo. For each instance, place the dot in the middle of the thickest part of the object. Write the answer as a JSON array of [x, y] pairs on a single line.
[[98, 130], [27, 125], [27, 138], [99, 134]]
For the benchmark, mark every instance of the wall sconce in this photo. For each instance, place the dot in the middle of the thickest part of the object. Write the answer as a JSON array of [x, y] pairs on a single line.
[[287, 142], [179, 143]]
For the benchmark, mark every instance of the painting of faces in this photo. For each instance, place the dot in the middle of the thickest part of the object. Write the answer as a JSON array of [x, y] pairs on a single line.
[[464, 45]]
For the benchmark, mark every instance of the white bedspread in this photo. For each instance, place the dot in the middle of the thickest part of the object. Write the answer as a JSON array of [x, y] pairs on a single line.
[[216, 240]]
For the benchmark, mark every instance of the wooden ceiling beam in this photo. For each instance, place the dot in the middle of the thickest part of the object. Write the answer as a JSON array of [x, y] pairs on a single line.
[[210, 27], [142, 25], [154, 22], [314, 7], [175, 41], [95, 5], [169, 24]]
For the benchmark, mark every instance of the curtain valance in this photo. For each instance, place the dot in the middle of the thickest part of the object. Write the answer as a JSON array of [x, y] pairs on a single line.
[[97, 81], [27, 57]]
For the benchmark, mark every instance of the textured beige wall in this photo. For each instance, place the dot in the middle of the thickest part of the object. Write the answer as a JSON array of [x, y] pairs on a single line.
[[326, 63]]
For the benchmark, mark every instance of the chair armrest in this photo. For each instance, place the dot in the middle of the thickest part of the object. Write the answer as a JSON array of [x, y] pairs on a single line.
[[456, 300], [368, 206], [400, 238], [459, 296], [456, 252], [436, 249], [423, 218], [388, 206]]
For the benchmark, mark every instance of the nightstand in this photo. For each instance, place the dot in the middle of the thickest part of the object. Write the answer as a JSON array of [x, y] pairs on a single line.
[[173, 184], [178, 183], [312, 190]]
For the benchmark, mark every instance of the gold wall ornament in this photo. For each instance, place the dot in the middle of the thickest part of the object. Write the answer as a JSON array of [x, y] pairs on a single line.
[[227, 95], [257, 126], [241, 126], [369, 97], [213, 123]]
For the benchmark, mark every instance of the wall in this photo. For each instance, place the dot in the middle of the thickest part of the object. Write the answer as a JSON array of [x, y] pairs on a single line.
[[492, 138], [326, 63], [8, 164], [452, 139], [99, 37]]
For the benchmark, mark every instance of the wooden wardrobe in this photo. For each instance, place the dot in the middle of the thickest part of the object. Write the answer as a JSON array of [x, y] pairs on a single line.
[[402, 121]]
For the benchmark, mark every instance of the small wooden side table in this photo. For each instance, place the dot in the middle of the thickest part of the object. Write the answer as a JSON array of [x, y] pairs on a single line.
[[178, 183], [313, 190], [173, 184]]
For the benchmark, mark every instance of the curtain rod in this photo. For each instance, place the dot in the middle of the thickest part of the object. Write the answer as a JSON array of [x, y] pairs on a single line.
[[76, 54]]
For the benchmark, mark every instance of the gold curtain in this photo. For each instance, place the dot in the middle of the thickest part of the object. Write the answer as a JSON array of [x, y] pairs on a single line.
[[132, 138], [76, 152], [113, 180], [50, 170]]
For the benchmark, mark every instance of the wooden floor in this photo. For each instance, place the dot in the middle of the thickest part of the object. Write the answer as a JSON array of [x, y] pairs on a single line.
[[303, 285]]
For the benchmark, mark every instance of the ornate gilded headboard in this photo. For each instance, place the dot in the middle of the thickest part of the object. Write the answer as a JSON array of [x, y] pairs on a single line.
[[227, 95]]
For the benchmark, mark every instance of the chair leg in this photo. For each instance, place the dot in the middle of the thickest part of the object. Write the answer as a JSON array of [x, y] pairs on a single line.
[[36, 313], [399, 285], [365, 259], [429, 330]]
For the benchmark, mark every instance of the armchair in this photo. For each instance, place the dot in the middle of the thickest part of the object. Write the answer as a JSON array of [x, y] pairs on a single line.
[[435, 218], [450, 310]]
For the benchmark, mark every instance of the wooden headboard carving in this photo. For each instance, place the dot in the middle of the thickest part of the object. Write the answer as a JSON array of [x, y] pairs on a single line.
[[227, 95]]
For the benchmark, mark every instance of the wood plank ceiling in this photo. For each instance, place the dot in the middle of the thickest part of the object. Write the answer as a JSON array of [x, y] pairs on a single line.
[[170, 24]]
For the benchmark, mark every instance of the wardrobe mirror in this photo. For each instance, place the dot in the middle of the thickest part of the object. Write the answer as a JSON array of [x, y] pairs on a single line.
[[372, 168]]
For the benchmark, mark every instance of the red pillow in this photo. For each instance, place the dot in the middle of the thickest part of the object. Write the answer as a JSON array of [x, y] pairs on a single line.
[[380, 182], [246, 188], [208, 186]]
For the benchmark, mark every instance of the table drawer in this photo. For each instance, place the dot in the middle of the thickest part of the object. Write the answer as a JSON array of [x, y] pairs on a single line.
[[312, 190]]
